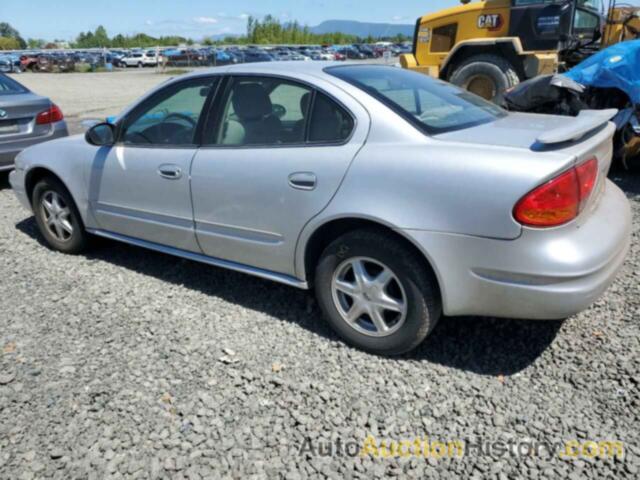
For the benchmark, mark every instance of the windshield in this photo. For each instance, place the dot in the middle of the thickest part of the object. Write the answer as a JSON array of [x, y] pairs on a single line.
[[596, 5], [9, 86], [431, 105]]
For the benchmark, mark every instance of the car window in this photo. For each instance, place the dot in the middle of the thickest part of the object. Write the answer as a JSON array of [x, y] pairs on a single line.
[[9, 86], [431, 105], [264, 111], [169, 117], [329, 123]]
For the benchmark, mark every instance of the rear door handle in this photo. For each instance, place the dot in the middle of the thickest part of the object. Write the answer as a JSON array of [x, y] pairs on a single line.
[[170, 172], [303, 180]]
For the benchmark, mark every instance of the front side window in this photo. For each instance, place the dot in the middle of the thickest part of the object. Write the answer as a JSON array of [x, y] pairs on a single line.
[[586, 20], [431, 105], [444, 38], [170, 117]]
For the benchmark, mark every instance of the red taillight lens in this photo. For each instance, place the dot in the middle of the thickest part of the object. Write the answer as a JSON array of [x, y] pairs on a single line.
[[560, 200], [51, 115], [587, 175]]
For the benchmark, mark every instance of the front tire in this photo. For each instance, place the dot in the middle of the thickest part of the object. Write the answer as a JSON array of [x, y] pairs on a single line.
[[488, 76], [57, 217], [376, 293]]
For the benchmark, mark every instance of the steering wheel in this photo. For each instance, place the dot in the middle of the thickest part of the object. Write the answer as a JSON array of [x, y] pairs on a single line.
[[141, 135], [278, 110], [181, 116]]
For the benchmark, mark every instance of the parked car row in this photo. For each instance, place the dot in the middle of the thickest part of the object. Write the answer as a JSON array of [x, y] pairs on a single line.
[[66, 60], [10, 63]]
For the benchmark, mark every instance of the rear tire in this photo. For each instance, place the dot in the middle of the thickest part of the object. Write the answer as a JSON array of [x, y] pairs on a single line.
[[57, 217], [486, 75], [407, 303]]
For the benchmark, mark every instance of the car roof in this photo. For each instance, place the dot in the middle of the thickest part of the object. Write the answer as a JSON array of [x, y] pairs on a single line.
[[283, 68]]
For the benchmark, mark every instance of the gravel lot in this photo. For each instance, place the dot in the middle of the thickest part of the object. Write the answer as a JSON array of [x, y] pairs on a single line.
[[130, 364]]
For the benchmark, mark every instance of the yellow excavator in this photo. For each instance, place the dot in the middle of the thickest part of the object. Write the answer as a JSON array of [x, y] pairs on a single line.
[[490, 46]]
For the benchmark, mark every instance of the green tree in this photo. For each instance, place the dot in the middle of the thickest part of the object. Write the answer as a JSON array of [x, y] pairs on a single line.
[[36, 43], [8, 31], [270, 30], [100, 37], [8, 43]]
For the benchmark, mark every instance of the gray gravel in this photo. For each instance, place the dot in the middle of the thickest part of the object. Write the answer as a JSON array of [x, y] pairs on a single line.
[[129, 364]]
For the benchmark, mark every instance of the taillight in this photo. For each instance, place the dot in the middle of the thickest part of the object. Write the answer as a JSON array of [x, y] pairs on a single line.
[[560, 200], [587, 175], [51, 115]]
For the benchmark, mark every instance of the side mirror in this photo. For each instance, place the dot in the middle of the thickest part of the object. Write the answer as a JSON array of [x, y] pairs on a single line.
[[101, 135]]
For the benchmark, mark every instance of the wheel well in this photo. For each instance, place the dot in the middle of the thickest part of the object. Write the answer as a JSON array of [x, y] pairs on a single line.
[[34, 176], [502, 49], [328, 232]]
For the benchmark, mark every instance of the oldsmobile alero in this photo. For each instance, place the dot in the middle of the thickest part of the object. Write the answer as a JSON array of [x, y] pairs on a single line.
[[395, 196]]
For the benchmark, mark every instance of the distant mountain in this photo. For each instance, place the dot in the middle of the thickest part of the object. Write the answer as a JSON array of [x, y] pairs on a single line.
[[221, 36], [362, 29]]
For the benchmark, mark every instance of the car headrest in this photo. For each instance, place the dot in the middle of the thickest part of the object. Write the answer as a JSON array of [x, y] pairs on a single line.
[[250, 101]]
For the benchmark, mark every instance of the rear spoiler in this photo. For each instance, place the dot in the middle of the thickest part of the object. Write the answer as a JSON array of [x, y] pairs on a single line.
[[577, 127]]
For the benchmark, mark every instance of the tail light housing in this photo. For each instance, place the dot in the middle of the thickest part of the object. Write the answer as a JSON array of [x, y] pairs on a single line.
[[560, 200], [51, 115]]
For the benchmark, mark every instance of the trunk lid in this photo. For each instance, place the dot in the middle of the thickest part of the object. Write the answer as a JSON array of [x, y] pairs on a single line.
[[554, 144], [17, 116], [532, 130]]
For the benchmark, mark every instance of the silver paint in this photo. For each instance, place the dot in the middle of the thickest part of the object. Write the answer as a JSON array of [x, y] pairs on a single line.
[[450, 195]]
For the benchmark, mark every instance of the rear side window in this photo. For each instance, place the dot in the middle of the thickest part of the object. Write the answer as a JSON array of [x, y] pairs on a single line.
[[9, 86], [329, 123], [272, 111]]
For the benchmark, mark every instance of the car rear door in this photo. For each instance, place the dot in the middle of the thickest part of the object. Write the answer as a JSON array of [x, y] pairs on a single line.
[[276, 153], [140, 187]]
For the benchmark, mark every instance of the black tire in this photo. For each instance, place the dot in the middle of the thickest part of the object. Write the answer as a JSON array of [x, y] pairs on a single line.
[[78, 239], [486, 68], [418, 283]]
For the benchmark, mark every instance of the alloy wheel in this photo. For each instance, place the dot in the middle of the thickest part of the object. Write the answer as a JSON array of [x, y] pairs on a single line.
[[369, 297], [57, 216]]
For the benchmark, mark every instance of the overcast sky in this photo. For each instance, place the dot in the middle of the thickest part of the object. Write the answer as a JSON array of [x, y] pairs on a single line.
[[63, 19]]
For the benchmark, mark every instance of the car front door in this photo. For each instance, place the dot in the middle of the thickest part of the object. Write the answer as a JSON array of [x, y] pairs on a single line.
[[140, 187], [277, 152]]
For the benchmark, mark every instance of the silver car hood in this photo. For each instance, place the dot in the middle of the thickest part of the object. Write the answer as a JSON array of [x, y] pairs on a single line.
[[525, 130]]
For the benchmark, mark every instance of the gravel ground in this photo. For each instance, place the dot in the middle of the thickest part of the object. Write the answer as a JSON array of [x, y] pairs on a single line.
[[130, 364]]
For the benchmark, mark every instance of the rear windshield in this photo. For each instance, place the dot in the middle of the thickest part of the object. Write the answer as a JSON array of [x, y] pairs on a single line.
[[9, 86], [431, 105]]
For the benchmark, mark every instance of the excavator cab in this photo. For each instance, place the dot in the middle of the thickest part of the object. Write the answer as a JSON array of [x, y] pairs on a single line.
[[490, 46], [544, 25]]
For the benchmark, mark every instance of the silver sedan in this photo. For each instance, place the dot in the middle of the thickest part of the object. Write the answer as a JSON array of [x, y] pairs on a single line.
[[25, 119], [398, 198]]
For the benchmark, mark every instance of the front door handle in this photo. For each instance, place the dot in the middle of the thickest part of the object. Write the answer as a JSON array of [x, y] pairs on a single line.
[[170, 172], [303, 181]]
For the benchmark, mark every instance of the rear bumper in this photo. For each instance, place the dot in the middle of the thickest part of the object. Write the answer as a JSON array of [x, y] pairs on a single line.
[[9, 150], [544, 274]]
